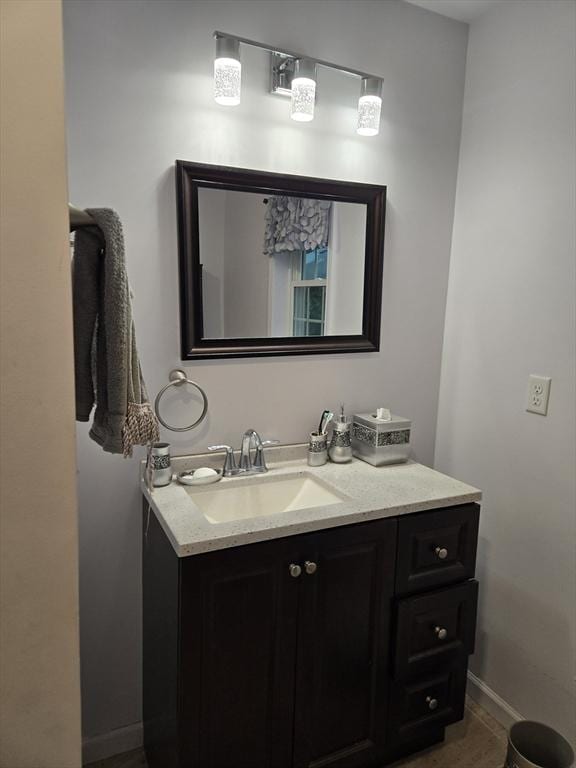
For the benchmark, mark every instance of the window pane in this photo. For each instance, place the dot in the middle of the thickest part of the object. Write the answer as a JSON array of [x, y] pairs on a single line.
[[300, 302], [309, 265], [316, 301], [299, 327], [314, 264], [321, 263], [315, 329]]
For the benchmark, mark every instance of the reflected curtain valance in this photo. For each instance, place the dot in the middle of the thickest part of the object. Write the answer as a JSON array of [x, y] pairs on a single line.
[[296, 224]]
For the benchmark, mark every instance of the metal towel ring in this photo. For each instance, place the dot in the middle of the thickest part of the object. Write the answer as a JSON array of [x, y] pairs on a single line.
[[177, 379]]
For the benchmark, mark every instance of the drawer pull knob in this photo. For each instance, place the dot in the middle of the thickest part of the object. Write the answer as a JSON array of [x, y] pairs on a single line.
[[432, 703], [295, 570], [441, 633], [441, 553], [310, 567]]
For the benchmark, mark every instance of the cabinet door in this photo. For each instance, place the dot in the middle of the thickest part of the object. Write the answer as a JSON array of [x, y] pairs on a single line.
[[343, 647], [238, 656]]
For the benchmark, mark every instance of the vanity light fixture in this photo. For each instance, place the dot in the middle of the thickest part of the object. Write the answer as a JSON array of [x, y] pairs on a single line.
[[227, 71], [294, 75], [369, 106], [303, 90]]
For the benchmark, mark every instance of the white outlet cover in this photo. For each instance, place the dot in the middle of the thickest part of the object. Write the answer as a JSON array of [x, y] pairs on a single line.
[[538, 394]]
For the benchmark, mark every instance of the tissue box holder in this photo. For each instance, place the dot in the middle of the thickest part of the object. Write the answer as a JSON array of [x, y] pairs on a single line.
[[381, 442]]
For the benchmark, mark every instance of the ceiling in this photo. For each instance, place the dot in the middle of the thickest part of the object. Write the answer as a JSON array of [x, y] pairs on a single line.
[[462, 10]]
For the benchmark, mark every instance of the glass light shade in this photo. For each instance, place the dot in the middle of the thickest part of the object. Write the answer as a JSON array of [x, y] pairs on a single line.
[[369, 108], [303, 99], [227, 77]]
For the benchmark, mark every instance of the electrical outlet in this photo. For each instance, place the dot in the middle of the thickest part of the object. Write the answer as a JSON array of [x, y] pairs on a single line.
[[538, 394]]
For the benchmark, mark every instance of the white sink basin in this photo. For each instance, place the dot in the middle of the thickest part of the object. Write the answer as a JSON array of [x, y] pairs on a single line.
[[244, 498]]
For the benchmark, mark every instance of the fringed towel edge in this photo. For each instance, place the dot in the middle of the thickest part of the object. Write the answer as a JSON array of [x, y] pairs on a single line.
[[140, 427]]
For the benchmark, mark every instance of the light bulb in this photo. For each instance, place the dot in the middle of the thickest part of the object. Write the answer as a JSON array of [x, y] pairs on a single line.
[[227, 72], [303, 91], [369, 107]]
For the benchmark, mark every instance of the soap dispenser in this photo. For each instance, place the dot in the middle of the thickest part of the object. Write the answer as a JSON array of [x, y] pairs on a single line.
[[340, 450]]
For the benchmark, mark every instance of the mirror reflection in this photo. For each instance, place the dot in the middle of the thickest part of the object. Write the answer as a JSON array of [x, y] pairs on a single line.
[[279, 265]]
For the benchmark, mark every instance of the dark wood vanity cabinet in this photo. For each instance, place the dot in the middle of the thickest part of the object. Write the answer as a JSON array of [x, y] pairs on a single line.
[[310, 651]]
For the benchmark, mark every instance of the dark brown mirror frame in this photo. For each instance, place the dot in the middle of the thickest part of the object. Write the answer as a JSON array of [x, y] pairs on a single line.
[[190, 177]]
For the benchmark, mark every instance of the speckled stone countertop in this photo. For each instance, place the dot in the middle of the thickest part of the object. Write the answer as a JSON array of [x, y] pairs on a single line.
[[371, 493]]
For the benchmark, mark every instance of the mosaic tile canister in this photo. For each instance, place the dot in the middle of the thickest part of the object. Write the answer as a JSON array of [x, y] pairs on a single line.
[[381, 442], [160, 461]]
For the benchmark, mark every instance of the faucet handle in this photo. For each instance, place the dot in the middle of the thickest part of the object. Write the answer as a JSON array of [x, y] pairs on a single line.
[[229, 467], [259, 461]]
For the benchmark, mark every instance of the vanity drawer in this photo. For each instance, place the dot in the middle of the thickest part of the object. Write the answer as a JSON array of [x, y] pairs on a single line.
[[436, 548], [428, 703], [435, 628]]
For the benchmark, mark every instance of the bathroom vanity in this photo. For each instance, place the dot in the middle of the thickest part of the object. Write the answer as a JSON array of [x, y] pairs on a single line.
[[333, 636]]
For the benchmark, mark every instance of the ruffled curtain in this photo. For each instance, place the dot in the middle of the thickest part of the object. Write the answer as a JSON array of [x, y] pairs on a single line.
[[296, 224]]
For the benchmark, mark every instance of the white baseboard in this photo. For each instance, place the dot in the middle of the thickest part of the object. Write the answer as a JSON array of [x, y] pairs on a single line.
[[490, 701], [112, 743]]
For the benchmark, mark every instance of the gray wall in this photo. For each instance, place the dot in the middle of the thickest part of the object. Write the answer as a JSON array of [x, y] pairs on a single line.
[[234, 267], [211, 238], [511, 312], [346, 269], [139, 95], [246, 267]]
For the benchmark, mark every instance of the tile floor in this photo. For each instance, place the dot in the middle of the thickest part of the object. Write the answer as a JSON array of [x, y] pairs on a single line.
[[477, 742]]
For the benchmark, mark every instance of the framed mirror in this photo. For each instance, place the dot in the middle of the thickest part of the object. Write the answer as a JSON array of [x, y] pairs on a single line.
[[277, 265]]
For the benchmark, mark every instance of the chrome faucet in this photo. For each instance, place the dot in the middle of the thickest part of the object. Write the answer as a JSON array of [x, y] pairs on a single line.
[[247, 466], [248, 438]]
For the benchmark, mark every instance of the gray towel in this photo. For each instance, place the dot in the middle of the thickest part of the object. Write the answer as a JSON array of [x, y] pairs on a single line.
[[107, 368]]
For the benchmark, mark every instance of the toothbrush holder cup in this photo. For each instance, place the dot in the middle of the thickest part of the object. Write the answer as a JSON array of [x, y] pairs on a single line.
[[160, 464], [317, 449]]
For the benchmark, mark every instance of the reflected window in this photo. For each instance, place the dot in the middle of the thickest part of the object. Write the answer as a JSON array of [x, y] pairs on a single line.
[[308, 292]]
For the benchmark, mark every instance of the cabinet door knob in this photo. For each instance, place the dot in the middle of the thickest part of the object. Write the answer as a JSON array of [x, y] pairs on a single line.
[[432, 703], [310, 567], [441, 633], [441, 553], [295, 570]]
